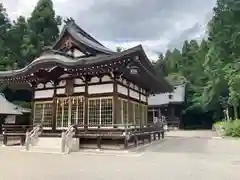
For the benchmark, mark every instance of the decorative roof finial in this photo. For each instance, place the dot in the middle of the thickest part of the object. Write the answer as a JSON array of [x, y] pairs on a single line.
[[69, 20]]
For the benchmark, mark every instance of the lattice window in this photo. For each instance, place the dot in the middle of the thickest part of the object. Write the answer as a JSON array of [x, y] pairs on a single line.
[[94, 112], [43, 114], [62, 114], [137, 114], [143, 116], [65, 120], [106, 111], [48, 115], [146, 115], [78, 110], [38, 114], [124, 111], [100, 111], [131, 113]]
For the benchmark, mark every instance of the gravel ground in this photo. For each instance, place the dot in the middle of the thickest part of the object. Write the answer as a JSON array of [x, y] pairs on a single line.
[[180, 158]]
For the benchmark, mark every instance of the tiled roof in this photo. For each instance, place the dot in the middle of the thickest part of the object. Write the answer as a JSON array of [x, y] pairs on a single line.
[[80, 35], [9, 108], [178, 96]]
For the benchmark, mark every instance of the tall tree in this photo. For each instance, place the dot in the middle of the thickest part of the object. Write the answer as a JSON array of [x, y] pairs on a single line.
[[43, 25], [5, 52], [222, 64], [17, 33]]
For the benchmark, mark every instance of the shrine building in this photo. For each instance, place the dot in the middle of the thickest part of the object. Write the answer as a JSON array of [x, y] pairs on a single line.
[[78, 81]]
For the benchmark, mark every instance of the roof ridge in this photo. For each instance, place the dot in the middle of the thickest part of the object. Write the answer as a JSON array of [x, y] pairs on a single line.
[[84, 33]]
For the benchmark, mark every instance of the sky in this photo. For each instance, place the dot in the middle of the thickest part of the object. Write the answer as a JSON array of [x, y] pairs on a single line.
[[156, 24]]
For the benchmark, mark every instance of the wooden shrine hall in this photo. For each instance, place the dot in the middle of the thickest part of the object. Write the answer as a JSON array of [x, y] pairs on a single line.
[[79, 82]]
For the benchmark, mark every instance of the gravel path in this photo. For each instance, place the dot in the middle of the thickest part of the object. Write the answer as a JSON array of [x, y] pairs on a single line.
[[175, 158]]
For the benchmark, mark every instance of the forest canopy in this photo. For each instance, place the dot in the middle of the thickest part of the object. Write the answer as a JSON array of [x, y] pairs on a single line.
[[210, 68]]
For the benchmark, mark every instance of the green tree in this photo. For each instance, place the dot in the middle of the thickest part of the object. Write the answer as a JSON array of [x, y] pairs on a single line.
[[43, 26], [222, 64], [17, 33], [6, 60]]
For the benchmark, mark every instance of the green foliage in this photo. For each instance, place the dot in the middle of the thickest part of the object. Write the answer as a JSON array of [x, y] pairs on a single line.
[[186, 67], [228, 128], [119, 49], [23, 104], [44, 24], [176, 79], [232, 128], [211, 68], [23, 40]]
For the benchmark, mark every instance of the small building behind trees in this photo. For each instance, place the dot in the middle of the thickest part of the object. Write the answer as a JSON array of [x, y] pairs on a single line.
[[168, 105]]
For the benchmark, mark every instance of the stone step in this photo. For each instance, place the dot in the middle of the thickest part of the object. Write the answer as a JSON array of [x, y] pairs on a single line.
[[49, 142], [48, 150], [53, 144], [12, 148]]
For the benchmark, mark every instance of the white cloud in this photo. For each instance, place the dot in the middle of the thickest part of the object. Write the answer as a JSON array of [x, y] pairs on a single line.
[[122, 23]]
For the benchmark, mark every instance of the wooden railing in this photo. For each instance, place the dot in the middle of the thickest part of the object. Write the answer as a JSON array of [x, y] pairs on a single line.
[[67, 139], [32, 136], [127, 132], [15, 129]]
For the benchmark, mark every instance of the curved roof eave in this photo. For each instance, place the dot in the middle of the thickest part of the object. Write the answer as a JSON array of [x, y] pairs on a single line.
[[160, 79], [67, 61]]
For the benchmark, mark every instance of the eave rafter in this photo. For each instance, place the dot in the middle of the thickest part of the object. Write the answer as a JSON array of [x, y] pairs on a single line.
[[52, 68]]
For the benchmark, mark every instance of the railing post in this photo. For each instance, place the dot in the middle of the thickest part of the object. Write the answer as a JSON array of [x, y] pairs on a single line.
[[63, 142], [135, 140], [154, 136], [162, 133], [98, 138], [150, 137], [4, 137], [27, 141], [22, 140], [126, 138]]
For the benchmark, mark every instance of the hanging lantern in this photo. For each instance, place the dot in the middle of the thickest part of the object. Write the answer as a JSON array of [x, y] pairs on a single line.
[[133, 70]]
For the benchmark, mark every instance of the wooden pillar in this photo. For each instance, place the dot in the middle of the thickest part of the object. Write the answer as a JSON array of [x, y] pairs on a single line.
[[116, 109], [87, 79], [54, 109], [128, 103], [140, 108], [33, 85]]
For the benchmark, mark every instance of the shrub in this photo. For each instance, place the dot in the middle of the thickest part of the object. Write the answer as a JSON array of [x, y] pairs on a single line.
[[228, 128], [232, 128]]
